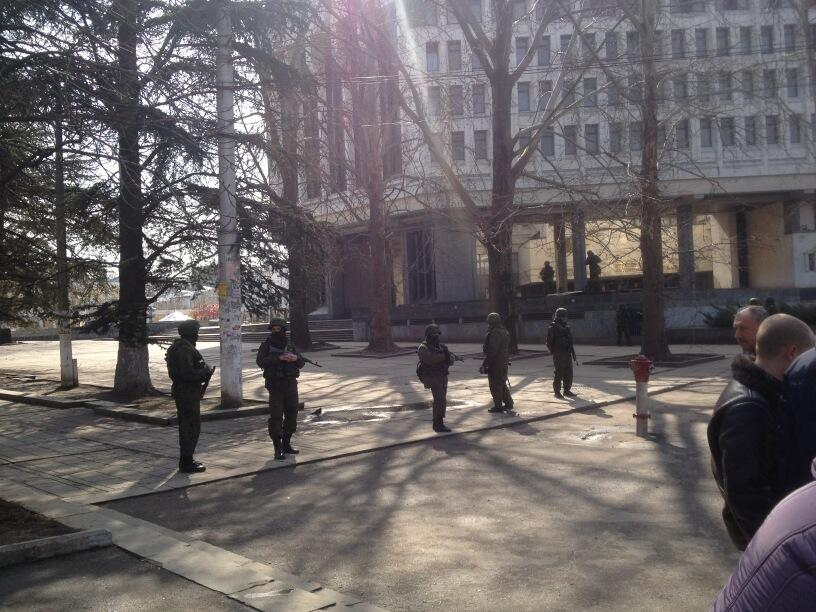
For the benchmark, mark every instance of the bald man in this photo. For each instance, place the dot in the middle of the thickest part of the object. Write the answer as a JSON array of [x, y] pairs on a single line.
[[744, 432], [746, 325]]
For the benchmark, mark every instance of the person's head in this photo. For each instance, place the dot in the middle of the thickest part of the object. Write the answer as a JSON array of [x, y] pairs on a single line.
[[277, 325], [189, 330], [494, 319], [546, 264], [590, 253], [755, 302], [432, 334], [560, 315], [746, 324], [780, 339]]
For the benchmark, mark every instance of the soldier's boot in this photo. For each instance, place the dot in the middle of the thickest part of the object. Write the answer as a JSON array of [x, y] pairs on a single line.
[[569, 393], [278, 444], [287, 446], [495, 409], [188, 466], [557, 391]]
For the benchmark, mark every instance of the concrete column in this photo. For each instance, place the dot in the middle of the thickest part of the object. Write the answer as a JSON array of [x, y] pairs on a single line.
[[559, 232], [685, 246], [579, 270]]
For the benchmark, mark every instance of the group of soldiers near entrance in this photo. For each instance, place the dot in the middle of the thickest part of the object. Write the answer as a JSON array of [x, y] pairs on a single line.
[[281, 363], [547, 275]]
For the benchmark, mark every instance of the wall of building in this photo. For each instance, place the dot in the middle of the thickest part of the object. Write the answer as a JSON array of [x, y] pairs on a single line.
[[723, 250], [454, 262], [770, 262]]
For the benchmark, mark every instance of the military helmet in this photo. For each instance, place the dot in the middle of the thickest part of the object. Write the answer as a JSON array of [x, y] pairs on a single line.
[[494, 318], [559, 312], [278, 322], [755, 302], [432, 329], [188, 328]]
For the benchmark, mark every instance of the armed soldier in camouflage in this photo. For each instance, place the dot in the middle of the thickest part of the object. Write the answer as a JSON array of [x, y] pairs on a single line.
[[497, 359], [559, 343], [189, 374], [281, 365], [434, 362]]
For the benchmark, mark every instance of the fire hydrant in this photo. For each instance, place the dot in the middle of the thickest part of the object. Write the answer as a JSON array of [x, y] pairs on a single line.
[[642, 366]]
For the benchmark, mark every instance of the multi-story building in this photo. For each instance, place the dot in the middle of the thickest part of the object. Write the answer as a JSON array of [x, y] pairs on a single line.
[[737, 140]]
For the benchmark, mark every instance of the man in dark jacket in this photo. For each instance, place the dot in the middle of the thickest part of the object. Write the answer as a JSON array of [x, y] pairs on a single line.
[[281, 365], [744, 432], [496, 348], [559, 343], [434, 362], [799, 419], [776, 570], [188, 371], [746, 325]]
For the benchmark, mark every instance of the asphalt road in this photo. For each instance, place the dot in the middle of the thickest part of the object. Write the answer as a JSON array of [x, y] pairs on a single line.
[[573, 513], [104, 580]]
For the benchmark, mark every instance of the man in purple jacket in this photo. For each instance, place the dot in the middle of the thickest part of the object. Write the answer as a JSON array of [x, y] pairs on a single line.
[[778, 569]]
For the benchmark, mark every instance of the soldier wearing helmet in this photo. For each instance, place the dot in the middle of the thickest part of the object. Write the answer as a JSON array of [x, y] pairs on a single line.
[[497, 358], [559, 343], [189, 372], [281, 365], [434, 362]]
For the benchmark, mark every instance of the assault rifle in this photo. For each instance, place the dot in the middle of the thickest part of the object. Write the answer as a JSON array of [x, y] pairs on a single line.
[[273, 349], [207, 381]]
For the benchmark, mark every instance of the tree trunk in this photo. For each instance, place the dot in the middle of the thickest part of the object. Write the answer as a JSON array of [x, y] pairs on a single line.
[[132, 377], [293, 236], [499, 230], [654, 343]]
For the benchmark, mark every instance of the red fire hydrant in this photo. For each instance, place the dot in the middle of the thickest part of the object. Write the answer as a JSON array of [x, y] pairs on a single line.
[[641, 366]]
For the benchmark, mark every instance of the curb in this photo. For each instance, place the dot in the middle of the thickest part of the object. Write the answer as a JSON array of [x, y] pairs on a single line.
[[45, 548], [38, 400]]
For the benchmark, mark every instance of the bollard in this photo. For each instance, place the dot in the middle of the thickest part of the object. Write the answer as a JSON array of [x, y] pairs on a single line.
[[642, 366]]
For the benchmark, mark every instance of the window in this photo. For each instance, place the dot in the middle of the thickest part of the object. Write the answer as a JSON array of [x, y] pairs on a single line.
[[590, 92], [458, 146], [748, 84], [795, 129], [723, 41], [658, 44], [766, 39], [451, 14], [546, 145], [611, 45], [746, 37], [793, 82], [544, 93], [565, 42], [680, 86], [419, 263], [772, 129], [432, 56], [812, 42], [703, 88], [751, 131], [615, 138], [635, 135], [522, 45], [456, 101], [678, 44], [769, 83], [701, 42], [523, 97], [434, 108], [706, 140], [612, 94], [725, 86], [478, 94], [687, 6], [789, 32], [570, 138], [727, 132], [480, 144], [591, 138], [454, 55], [632, 45], [810, 262], [543, 51], [681, 134]]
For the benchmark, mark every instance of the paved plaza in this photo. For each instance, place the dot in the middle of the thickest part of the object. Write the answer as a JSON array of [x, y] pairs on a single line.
[[579, 459]]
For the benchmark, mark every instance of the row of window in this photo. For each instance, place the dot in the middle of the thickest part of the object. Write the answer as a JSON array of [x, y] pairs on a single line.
[[724, 85], [725, 44], [752, 130]]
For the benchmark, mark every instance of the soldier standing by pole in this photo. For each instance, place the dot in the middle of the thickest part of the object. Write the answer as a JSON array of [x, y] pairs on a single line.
[[497, 357], [434, 362], [559, 343], [189, 372], [281, 365]]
